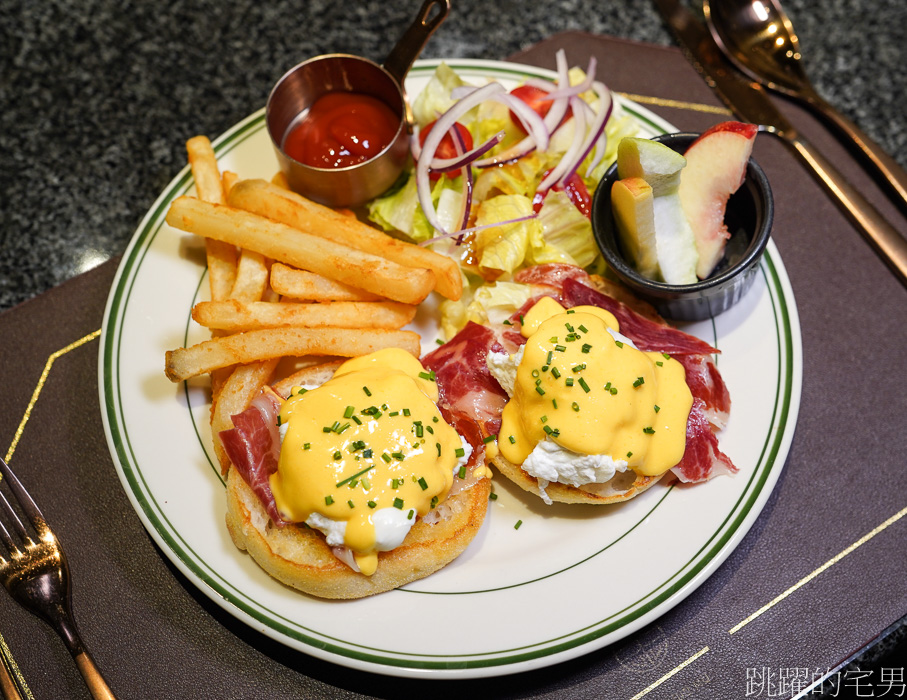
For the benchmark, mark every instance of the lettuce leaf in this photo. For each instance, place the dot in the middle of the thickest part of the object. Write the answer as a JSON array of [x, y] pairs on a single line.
[[566, 232], [505, 247]]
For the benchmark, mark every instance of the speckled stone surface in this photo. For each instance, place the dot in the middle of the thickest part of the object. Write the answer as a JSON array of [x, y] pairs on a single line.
[[98, 97]]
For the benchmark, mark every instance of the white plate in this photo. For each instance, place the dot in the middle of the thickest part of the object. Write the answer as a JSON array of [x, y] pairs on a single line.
[[571, 579]]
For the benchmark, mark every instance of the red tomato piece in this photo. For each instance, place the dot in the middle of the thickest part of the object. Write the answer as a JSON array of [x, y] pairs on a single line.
[[576, 191], [447, 149]]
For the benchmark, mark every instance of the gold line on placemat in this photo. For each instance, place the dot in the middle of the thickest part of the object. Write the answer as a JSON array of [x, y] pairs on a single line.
[[669, 674], [5, 651], [809, 577], [676, 104], [34, 397]]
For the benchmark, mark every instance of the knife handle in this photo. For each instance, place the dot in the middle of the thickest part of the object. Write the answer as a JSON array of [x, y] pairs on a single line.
[[888, 243]]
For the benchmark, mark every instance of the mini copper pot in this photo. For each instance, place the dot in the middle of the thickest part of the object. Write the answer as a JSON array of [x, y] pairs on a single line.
[[302, 85]]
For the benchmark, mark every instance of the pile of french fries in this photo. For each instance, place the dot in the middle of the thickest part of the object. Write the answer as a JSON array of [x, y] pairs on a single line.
[[291, 278]]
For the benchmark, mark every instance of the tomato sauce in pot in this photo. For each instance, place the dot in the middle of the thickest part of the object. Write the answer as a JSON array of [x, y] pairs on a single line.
[[341, 129]]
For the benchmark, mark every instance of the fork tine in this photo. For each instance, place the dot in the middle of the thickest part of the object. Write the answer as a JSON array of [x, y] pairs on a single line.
[[17, 524], [29, 507]]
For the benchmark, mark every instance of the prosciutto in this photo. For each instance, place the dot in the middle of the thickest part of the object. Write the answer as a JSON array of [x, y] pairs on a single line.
[[253, 446], [466, 385]]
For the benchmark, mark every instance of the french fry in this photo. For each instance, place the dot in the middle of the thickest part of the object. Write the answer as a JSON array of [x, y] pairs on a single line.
[[254, 346], [284, 386], [289, 208], [227, 179], [251, 276], [308, 286], [233, 315], [237, 392], [280, 180], [221, 256], [293, 247]]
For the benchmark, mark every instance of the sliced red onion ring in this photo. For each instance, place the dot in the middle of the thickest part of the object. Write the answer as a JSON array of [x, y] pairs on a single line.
[[579, 88], [596, 130], [433, 140], [473, 229], [467, 182], [444, 165], [568, 161]]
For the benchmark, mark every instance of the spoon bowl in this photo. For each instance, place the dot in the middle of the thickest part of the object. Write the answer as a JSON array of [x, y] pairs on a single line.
[[759, 38]]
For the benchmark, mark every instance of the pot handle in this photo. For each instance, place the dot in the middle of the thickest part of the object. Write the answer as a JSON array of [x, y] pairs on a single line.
[[402, 56]]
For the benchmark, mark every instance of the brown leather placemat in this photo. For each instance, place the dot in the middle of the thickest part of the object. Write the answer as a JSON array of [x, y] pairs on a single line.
[[821, 573]]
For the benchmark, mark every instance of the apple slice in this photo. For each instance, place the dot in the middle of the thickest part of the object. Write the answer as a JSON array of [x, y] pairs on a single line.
[[661, 166], [716, 167], [634, 213]]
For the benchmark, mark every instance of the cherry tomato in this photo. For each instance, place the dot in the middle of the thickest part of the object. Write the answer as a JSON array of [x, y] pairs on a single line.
[[535, 98], [576, 191], [447, 148]]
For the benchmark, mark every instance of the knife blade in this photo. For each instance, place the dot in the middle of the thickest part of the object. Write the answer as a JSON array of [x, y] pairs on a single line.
[[749, 102]]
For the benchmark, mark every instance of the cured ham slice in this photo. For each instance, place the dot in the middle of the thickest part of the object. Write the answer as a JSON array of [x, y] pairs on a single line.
[[701, 459], [464, 383], [254, 449], [706, 384]]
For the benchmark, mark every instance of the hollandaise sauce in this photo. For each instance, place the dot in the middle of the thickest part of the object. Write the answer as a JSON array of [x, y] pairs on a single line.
[[593, 393], [368, 444]]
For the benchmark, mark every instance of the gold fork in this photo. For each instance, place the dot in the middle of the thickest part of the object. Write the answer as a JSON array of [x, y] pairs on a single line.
[[37, 576]]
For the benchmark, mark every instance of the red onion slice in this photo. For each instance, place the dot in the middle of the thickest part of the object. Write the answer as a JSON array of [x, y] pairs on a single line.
[[568, 162], [433, 140]]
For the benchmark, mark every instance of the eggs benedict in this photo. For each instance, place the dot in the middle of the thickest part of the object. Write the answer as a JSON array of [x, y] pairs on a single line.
[[373, 486], [586, 404]]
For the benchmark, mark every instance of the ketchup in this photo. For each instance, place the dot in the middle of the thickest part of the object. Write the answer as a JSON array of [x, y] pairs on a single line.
[[341, 129]]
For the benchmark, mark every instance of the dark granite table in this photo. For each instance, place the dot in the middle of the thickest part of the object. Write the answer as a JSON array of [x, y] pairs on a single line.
[[98, 98]]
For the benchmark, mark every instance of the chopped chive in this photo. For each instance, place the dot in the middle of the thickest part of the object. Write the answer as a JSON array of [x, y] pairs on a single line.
[[439, 341], [579, 368], [337, 455], [560, 348], [586, 348], [492, 496], [368, 453], [535, 373], [554, 402], [575, 406], [357, 420], [328, 500], [556, 372], [350, 503], [434, 501], [639, 382], [550, 357], [544, 368], [540, 391], [419, 429], [459, 452], [571, 311], [548, 430], [372, 504], [398, 456], [649, 430], [423, 483], [394, 413], [618, 343], [406, 412], [659, 363], [357, 474], [569, 327], [430, 429], [489, 438], [398, 503], [462, 472], [409, 516], [583, 328], [343, 428], [386, 457], [666, 356], [521, 319], [568, 381], [512, 439], [629, 454], [582, 383], [517, 525], [279, 420], [366, 484], [552, 339], [307, 446], [657, 408], [434, 419], [367, 392], [326, 429], [348, 413], [438, 445], [544, 419]]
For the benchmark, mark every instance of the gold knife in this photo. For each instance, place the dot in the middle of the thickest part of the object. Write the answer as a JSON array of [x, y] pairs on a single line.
[[749, 102]]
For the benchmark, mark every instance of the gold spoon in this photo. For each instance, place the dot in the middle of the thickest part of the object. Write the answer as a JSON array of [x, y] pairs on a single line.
[[759, 38]]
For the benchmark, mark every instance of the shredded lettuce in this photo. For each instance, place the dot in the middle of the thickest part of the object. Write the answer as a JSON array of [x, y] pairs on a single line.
[[435, 98], [489, 303], [567, 233], [505, 247]]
